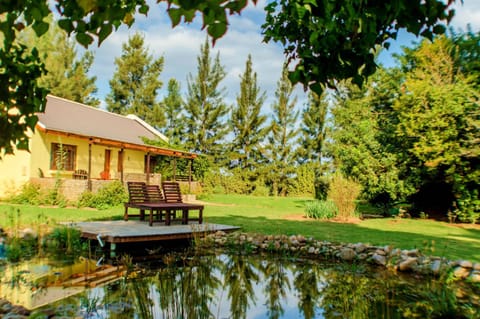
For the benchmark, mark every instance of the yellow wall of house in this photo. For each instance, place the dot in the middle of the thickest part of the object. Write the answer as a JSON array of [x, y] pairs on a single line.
[[14, 172], [133, 161], [17, 169]]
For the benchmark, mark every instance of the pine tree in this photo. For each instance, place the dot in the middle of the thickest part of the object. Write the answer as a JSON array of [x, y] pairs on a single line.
[[280, 150], [205, 108], [135, 83], [246, 122], [173, 105], [313, 129], [67, 76]]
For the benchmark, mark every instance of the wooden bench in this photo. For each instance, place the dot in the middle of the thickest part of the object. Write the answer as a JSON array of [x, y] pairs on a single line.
[[149, 197], [80, 174]]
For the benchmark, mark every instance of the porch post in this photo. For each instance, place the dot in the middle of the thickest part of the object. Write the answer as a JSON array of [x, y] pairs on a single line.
[[148, 168], [190, 163], [89, 181], [174, 169], [120, 164]]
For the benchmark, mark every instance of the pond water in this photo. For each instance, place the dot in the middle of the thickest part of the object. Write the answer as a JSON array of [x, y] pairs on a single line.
[[188, 285]]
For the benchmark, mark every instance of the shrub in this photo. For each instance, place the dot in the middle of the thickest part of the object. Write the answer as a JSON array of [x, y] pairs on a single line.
[[321, 209], [29, 194], [303, 182], [344, 192], [260, 190], [65, 240], [112, 194], [468, 205], [322, 184]]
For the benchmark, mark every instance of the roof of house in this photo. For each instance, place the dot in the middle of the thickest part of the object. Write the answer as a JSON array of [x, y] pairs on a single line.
[[71, 118]]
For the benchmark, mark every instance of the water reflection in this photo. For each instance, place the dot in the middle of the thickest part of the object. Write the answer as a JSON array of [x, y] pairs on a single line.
[[257, 287]]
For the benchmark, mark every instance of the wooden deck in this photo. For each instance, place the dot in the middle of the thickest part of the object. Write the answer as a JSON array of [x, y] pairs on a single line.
[[119, 231]]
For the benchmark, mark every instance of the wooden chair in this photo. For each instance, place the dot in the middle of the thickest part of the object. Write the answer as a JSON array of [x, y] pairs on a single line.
[[173, 194], [147, 197], [154, 195], [137, 195]]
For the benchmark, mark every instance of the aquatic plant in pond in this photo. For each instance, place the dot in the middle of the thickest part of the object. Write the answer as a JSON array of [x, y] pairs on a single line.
[[187, 285]]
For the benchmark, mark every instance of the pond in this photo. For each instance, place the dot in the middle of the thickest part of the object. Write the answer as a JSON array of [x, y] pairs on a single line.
[[220, 285]]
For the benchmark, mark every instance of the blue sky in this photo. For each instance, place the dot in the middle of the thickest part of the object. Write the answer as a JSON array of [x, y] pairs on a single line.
[[180, 47]]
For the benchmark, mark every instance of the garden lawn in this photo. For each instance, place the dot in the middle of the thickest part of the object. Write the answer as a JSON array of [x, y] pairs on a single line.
[[276, 215]]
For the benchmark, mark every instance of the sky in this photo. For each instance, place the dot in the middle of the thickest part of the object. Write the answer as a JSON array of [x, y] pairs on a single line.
[[180, 47]]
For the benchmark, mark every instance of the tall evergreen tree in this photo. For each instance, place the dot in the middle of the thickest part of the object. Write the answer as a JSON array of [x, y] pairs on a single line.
[[173, 106], [313, 129], [135, 83], [247, 124], [283, 131], [67, 76], [205, 108]]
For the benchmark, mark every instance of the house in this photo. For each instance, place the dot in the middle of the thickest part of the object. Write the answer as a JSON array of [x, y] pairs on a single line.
[[84, 146]]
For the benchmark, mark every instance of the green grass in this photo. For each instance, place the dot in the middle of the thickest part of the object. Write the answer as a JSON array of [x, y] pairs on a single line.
[[269, 215]]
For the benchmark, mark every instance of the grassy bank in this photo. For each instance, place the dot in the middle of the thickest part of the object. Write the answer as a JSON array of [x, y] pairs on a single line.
[[271, 215]]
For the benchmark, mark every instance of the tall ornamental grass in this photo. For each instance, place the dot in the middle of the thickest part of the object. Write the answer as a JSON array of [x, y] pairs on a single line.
[[344, 193]]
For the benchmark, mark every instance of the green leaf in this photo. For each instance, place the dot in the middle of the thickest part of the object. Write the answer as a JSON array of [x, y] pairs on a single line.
[[40, 28], [189, 15], [84, 39], [66, 25], [217, 30], [317, 88], [144, 9], [175, 16], [439, 29], [36, 14], [105, 31]]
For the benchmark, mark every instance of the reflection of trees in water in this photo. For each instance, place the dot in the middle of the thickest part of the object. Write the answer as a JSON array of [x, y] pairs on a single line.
[[239, 274], [120, 295], [140, 291], [347, 294], [193, 286], [276, 285], [187, 291], [306, 281]]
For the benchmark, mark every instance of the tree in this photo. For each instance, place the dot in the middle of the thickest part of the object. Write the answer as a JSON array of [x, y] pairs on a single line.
[[438, 117], [363, 145], [313, 129], [66, 75], [280, 152], [247, 124], [135, 83], [205, 108], [329, 40], [173, 105], [466, 53]]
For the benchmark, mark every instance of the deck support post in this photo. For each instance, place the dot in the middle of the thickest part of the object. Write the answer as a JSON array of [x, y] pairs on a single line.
[[113, 252]]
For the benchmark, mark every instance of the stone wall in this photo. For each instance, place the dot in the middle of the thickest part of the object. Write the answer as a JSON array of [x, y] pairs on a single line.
[[70, 188]]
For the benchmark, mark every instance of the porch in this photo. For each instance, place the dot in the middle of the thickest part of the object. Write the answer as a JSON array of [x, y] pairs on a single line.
[[73, 188]]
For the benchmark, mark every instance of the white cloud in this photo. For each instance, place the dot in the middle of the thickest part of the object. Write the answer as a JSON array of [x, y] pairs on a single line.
[[180, 47], [467, 13]]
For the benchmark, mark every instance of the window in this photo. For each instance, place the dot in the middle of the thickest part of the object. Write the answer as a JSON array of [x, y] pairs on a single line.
[[62, 157]]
